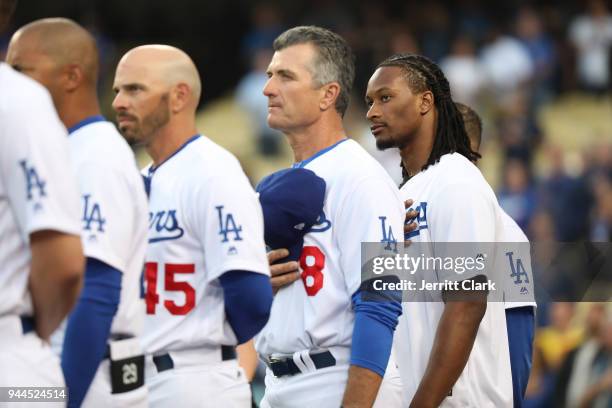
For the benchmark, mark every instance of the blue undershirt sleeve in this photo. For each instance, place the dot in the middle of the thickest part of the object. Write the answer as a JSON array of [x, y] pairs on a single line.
[[376, 316], [520, 323], [248, 299], [89, 327]]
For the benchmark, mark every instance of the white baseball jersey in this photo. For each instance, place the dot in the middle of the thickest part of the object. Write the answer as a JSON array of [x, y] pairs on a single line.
[[456, 205], [514, 260], [204, 220], [361, 205], [38, 190], [114, 212]]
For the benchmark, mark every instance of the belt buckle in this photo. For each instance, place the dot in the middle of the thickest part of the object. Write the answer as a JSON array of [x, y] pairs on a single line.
[[279, 366], [273, 360]]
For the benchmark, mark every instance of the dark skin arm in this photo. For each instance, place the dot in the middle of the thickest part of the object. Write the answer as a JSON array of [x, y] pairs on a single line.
[[453, 344], [56, 275], [410, 223], [361, 388]]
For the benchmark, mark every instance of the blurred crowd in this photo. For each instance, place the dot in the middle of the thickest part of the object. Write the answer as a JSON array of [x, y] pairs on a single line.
[[572, 360], [509, 63], [539, 73]]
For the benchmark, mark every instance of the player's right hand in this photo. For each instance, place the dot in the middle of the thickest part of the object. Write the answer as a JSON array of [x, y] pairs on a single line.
[[282, 274], [410, 224]]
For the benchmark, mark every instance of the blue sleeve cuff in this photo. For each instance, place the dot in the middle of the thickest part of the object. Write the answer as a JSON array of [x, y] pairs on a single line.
[[376, 316], [88, 328], [248, 299], [520, 323]]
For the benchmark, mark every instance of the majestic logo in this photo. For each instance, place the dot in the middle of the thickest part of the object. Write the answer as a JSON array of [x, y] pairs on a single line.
[[387, 235], [165, 224], [92, 214], [227, 225], [323, 224], [421, 219], [33, 180], [519, 273]]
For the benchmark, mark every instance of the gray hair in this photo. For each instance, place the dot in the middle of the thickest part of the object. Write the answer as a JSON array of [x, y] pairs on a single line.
[[335, 61]]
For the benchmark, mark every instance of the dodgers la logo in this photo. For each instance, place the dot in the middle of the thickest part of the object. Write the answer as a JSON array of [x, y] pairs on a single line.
[[166, 225], [33, 180], [387, 235], [92, 214], [519, 274], [421, 219], [227, 225]]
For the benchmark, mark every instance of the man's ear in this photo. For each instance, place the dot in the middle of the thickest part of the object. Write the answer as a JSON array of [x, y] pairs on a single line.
[[426, 102], [180, 97], [72, 76], [330, 93]]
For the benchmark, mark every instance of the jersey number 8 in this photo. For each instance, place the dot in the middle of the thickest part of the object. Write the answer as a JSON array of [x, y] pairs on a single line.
[[312, 262]]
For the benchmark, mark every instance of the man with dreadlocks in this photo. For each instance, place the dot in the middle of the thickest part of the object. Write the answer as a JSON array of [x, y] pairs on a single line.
[[451, 345]]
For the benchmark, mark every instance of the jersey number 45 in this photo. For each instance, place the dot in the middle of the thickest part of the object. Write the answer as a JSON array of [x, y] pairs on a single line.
[[170, 285]]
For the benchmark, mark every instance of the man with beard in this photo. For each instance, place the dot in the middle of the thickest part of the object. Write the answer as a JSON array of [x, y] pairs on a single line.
[[63, 57], [206, 274], [515, 275], [452, 345]]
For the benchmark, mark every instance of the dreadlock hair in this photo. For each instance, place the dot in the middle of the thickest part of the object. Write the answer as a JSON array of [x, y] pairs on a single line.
[[424, 75]]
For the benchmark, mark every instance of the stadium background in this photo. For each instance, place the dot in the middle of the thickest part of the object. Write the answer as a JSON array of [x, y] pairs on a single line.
[[539, 73]]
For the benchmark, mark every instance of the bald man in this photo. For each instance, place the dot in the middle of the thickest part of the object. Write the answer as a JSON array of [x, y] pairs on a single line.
[[207, 278], [101, 355], [41, 257]]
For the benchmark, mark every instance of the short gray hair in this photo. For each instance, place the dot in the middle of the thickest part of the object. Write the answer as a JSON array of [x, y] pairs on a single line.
[[335, 61]]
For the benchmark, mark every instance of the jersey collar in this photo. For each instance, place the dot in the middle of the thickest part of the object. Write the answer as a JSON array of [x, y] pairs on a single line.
[[85, 122], [152, 169], [317, 154]]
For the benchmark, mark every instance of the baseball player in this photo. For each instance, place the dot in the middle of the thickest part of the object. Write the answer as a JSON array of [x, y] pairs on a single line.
[[207, 284], [324, 346], [101, 356], [41, 257], [515, 269], [451, 352], [514, 262]]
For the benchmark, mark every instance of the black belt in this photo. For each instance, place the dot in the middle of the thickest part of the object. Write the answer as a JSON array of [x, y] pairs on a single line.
[[164, 362], [286, 366], [27, 324]]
